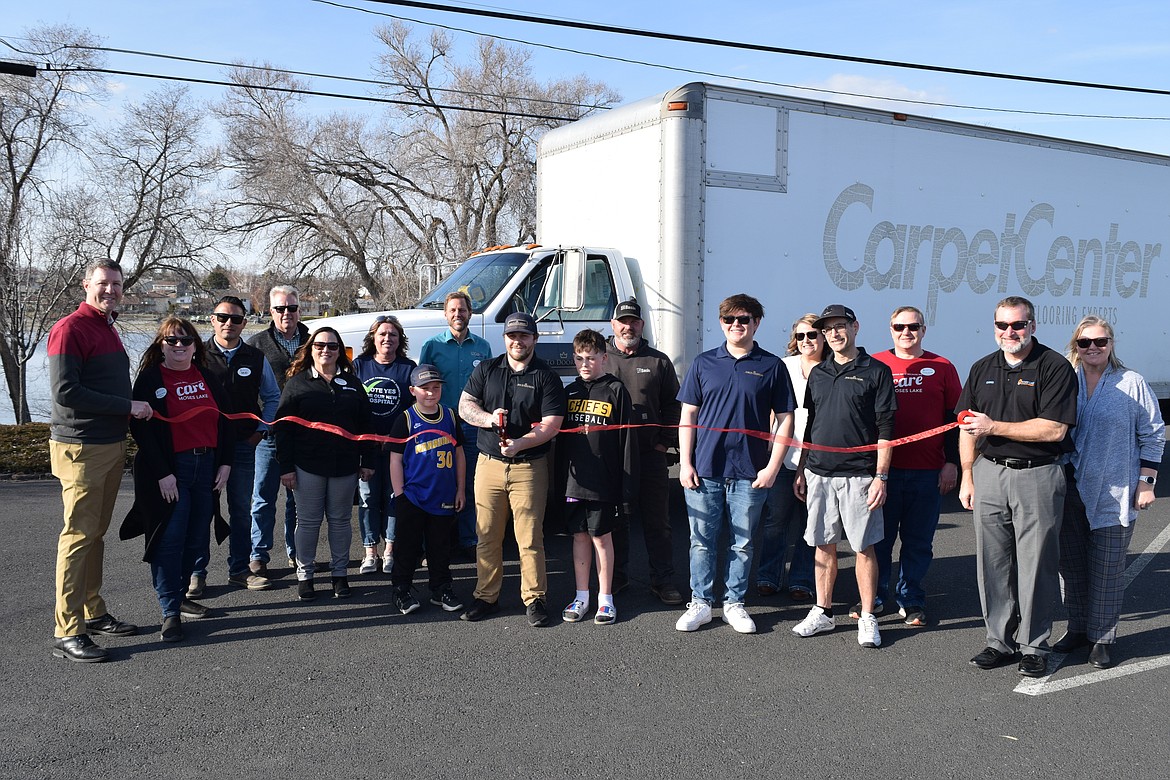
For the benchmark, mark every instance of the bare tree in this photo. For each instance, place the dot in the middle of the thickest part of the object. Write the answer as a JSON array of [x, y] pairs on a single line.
[[41, 119]]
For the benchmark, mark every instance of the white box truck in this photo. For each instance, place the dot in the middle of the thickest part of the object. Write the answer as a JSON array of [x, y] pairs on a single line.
[[706, 191]]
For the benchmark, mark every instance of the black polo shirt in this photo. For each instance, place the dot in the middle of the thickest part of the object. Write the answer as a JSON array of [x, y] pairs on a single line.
[[849, 405], [1043, 386], [528, 395]]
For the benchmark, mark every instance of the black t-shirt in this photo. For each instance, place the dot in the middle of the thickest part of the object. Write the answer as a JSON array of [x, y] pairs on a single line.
[[1043, 386], [528, 395]]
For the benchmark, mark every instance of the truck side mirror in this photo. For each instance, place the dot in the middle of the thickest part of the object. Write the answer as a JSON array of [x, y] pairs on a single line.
[[573, 280]]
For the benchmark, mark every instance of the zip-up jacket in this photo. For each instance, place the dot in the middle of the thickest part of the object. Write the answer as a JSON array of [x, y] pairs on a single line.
[[241, 379], [341, 402], [652, 383]]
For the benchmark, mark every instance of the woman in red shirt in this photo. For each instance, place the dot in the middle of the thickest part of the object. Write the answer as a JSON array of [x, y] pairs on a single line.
[[178, 466]]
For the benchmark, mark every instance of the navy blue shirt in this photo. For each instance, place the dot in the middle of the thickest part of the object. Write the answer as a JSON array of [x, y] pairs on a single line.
[[737, 393]]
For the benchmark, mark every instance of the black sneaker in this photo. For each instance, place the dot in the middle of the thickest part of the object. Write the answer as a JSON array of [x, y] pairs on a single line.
[[193, 609], [305, 590], [172, 629], [341, 588], [445, 598], [480, 609], [406, 602], [537, 614]]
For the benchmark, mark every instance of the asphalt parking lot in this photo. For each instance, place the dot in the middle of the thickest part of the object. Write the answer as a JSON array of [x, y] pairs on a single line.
[[269, 686]]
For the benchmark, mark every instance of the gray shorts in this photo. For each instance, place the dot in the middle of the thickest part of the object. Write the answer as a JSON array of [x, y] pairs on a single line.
[[836, 507]]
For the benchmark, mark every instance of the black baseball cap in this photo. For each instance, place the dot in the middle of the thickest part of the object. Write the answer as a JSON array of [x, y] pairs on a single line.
[[424, 373], [628, 308], [835, 310], [519, 322]]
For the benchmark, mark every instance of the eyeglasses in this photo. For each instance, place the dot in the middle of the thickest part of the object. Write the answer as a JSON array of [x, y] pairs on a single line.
[[326, 346], [742, 319], [1017, 325], [234, 319], [801, 335], [1097, 342], [175, 341], [839, 327], [901, 326], [283, 309]]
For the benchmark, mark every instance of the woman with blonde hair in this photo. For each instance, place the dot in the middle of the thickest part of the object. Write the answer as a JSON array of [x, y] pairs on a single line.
[[1118, 442]]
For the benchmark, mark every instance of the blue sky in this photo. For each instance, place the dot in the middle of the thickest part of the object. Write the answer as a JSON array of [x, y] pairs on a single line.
[[1125, 43]]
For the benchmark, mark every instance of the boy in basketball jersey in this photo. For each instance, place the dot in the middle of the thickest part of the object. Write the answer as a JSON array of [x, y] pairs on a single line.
[[427, 473]]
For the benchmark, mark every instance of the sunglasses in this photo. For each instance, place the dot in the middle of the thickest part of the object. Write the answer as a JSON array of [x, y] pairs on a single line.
[[1097, 342], [175, 341], [901, 326], [1017, 325], [801, 335], [234, 319], [742, 319], [326, 346], [283, 309]]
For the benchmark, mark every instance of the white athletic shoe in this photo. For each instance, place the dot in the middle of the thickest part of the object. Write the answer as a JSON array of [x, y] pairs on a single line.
[[737, 617], [868, 634], [698, 613], [816, 622]]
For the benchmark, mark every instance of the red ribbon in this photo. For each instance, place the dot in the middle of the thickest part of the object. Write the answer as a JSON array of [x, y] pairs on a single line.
[[337, 431]]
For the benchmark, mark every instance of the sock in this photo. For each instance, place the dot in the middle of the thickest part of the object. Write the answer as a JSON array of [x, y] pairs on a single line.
[[583, 597], [605, 599], [827, 610]]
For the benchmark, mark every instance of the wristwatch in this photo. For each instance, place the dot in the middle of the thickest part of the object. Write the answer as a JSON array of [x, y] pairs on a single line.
[[1151, 481], [883, 477]]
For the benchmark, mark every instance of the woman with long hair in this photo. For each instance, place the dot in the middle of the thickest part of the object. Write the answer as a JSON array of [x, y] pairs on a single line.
[[1118, 442], [384, 370], [179, 465], [321, 467], [784, 514]]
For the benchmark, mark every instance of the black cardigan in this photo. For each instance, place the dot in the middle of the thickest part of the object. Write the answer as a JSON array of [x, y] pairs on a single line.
[[156, 456]]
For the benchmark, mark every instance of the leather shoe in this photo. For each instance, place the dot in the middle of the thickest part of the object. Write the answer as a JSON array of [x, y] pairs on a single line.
[[668, 594], [991, 658], [480, 609], [79, 648], [799, 594], [1033, 666], [1099, 656], [172, 629], [108, 625], [1071, 641], [193, 609]]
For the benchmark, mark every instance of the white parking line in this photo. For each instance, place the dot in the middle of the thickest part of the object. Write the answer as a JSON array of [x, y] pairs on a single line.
[[1045, 684]]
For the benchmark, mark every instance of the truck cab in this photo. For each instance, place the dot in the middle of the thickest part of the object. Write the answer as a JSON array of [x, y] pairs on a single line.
[[566, 289]]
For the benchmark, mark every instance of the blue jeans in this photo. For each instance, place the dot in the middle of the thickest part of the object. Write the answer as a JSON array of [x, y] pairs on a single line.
[[187, 533], [264, 493], [375, 509], [911, 512], [239, 503], [465, 520], [784, 517], [707, 506]]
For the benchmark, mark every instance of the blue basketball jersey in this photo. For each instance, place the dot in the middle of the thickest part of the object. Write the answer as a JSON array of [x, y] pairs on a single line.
[[428, 461]]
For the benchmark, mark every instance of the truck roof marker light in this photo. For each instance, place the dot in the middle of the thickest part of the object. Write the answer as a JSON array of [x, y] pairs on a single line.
[[677, 105], [491, 249], [532, 246], [900, 117]]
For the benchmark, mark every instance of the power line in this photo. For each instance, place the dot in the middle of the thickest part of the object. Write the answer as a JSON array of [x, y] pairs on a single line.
[[763, 47], [314, 93], [762, 82]]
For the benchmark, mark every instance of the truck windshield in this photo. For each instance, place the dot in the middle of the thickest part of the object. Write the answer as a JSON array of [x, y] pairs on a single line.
[[481, 277]]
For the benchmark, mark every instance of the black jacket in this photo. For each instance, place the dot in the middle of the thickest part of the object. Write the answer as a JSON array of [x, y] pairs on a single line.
[[341, 402], [156, 456], [266, 342], [652, 383]]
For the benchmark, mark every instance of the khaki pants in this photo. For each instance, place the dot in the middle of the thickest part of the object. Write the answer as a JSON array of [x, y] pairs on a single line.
[[90, 475], [519, 490]]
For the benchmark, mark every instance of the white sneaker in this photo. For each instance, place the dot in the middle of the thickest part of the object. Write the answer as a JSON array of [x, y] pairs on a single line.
[[868, 634], [816, 622], [369, 565], [388, 562], [698, 613], [737, 617]]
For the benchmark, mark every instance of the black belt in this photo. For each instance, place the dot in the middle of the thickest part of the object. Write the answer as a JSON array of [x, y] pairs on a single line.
[[502, 459], [196, 451], [1022, 463]]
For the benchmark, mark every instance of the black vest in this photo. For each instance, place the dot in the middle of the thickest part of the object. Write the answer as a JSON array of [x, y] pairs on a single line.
[[241, 380]]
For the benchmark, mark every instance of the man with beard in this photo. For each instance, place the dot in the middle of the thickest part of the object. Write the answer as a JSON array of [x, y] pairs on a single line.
[[652, 383], [456, 352], [1022, 400], [520, 390]]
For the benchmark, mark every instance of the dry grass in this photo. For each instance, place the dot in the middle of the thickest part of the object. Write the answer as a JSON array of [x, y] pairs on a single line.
[[24, 449]]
